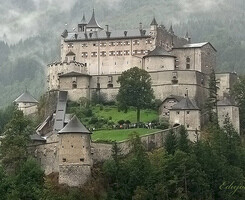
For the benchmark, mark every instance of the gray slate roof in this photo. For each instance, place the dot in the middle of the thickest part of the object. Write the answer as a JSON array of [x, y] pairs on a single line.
[[26, 98], [195, 45], [93, 23], [115, 34], [185, 104], [36, 137], [74, 126], [178, 98], [70, 53], [159, 51]]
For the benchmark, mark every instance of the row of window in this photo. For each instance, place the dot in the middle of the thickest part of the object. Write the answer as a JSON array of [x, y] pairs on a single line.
[[104, 44], [116, 53]]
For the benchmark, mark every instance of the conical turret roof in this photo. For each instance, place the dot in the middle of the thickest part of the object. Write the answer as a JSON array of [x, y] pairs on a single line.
[[74, 126], [83, 21], [171, 30], [154, 22], [26, 98], [93, 23]]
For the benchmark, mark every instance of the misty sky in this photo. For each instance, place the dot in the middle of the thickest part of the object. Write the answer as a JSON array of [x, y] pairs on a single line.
[[24, 18]]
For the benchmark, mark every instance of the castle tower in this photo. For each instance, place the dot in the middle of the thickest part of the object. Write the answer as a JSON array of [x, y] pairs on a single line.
[[186, 113], [75, 159], [82, 25], [27, 103]]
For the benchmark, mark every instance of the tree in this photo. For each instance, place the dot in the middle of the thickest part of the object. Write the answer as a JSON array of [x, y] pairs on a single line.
[[13, 148], [183, 142], [239, 94], [135, 90], [211, 104], [170, 142]]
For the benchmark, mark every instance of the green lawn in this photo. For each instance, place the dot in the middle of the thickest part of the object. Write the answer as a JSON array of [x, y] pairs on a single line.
[[112, 111], [119, 134]]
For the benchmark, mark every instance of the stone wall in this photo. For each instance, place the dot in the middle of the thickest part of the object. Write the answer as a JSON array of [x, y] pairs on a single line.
[[102, 151], [74, 175]]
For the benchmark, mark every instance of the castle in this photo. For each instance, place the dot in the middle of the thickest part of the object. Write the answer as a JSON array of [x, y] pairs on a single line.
[[92, 59]]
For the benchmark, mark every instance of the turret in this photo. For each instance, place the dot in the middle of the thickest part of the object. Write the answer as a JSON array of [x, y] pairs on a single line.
[[75, 160], [27, 103], [187, 37], [82, 25], [153, 24], [171, 30]]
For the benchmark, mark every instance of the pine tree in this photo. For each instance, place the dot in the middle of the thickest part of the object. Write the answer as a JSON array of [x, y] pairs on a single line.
[[211, 104], [183, 142], [170, 142]]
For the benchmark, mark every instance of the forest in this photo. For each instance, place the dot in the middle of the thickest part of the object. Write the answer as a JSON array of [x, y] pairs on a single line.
[[29, 38]]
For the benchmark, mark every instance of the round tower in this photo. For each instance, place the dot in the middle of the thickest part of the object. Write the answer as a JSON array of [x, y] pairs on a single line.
[[75, 160]]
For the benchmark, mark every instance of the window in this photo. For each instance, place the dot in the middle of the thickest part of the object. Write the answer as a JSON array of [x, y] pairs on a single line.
[[95, 44], [103, 53], [126, 52], [93, 54], [74, 82], [119, 53], [70, 45], [103, 44], [119, 43], [126, 43], [188, 112], [177, 112], [84, 54], [84, 45], [82, 159], [188, 60], [187, 125], [110, 79], [64, 159], [112, 44], [148, 41], [175, 75], [136, 42], [112, 53], [110, 85]]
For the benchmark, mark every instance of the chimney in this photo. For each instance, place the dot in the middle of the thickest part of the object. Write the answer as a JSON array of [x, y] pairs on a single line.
[[140, 27], [125, 33], [108, 34], [107, 28]]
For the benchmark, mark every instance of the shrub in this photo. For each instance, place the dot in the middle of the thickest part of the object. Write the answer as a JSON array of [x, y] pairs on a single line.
[[121, 122]]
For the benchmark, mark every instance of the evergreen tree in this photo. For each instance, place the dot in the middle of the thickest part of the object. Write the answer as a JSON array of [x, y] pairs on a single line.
[[183, 141], [13, 148], [211, 104], [170, 143]]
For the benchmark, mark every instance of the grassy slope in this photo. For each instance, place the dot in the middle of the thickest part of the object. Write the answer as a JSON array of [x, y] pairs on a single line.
[[119, 135], [112, 111]]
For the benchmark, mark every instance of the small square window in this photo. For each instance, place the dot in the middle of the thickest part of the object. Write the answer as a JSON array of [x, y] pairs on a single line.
[[187, 125], [64, 159], [82, 159], [177, 112], [188, 112]]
